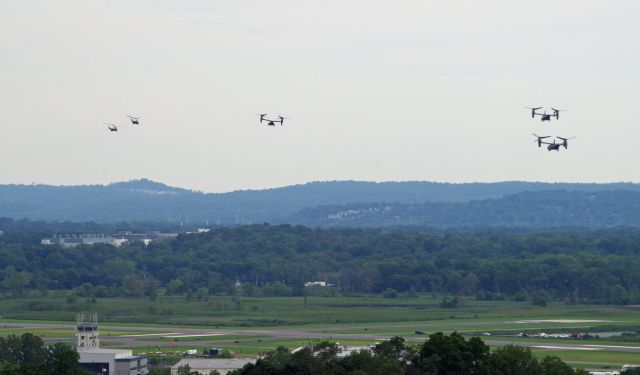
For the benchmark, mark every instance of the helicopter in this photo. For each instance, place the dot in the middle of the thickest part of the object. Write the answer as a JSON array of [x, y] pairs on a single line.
[[545, 116], [554, 145], [111, 127], [134, 120], [271, 122]]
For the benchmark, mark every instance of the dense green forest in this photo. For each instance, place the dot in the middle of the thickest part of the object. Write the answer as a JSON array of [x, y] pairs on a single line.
[[542, 209], [148, 201], [46, 228], [441, 354], [574, 265]]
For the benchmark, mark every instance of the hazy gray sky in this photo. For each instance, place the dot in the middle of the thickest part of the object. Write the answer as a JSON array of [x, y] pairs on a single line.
[[376, 90]]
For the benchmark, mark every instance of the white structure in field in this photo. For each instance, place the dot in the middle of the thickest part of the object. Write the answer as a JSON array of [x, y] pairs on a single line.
[[73, 240], [104, 361], [317, 283], [87, 335]]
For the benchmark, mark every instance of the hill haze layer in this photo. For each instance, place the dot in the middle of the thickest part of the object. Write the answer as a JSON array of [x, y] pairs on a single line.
[[325, 203]]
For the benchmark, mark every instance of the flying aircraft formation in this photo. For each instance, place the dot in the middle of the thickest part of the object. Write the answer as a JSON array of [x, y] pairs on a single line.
[[114, 128], [135, 120], [551, 146]]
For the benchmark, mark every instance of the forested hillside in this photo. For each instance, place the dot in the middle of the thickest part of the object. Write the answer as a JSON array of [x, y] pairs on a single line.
[[542, 209], [148, 201], [572, 265]]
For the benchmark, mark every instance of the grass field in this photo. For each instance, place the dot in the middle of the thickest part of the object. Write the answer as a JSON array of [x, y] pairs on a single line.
[[282, 311], [49, 333], [372, 315]]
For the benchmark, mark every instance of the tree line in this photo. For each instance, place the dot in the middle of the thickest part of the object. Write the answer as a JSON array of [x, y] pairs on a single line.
[[440, 355], [28, 355], [573, 265], [529, 209]]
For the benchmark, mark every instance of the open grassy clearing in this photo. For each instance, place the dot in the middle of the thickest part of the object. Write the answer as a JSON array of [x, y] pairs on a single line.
[[493, 328], [329, 315], [281, 311], [253, 348], [246, 348], [49, 333], [551, 341], [591, 357]]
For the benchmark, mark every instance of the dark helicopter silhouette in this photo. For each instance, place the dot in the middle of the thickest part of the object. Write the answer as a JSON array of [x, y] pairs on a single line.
[[134, 120], [111, 127], [553, 146], [271, 122], [545, 116]]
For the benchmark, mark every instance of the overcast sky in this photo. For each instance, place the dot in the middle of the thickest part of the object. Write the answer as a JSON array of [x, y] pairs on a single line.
[[376, 90]]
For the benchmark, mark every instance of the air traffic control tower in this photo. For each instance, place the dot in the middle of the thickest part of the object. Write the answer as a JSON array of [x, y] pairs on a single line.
[[87, 335]]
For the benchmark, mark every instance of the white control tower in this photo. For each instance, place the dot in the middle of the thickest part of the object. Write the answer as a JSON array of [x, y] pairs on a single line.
[[87, 335]]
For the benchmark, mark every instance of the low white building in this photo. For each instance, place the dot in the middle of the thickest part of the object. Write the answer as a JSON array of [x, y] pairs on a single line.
[[73, 240], [317, 283], [206, 365], [112, 361]]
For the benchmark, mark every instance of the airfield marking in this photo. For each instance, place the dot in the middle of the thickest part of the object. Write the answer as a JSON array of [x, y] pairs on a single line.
[[563, 347], [178, 335]]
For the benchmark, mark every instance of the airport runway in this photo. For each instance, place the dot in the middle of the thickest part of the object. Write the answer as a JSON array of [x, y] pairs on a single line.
[[311, 333]]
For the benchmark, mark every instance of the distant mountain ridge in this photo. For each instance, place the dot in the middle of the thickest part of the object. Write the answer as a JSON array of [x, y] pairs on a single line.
[[531, 209], [149, 201]]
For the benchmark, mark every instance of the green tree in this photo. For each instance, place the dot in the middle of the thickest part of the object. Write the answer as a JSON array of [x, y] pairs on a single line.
[[27, 355], [390, 293], [151, 289], [202, 293], [63, 360], [514, 360], [555, 366], [15, 282], [392, 349], [453, 355], [175, 286], [133, 285], [186, 370]]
